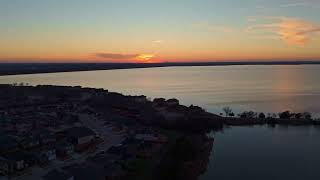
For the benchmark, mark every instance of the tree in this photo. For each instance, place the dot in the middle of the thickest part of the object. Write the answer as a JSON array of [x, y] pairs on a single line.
[[307, 115], [248, 114], [269, 115], [298, 115], [285, 115], [262, 116], [274, 115], [227, 110]]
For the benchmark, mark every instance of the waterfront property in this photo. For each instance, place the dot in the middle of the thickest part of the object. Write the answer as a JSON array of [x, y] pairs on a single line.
[[108, 135], [79, 133]]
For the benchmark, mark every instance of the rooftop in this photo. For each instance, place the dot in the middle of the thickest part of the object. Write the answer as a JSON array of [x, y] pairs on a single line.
[[79, 132]]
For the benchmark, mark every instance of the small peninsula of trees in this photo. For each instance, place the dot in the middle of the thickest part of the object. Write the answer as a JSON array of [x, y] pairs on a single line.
[[228, 112], [290, 115]]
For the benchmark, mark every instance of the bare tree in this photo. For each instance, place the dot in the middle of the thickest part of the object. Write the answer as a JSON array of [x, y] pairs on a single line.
[[227, 110]]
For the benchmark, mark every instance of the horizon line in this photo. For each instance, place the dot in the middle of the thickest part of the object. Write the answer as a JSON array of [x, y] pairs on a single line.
[[166, 62], [36, 68]]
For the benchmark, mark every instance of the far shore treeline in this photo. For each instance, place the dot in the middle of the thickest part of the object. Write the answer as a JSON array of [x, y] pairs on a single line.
[[34, 68]]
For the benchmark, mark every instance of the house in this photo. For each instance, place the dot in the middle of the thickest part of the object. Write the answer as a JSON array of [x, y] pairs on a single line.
[[45, 137], [117, 150], [139, 99], [171, 115], [19, 160], [172, 102], [35, 98], [47, 154], [196, 109], [159, 102], [64, 149], [8, 144], [50, 153], [23, 128], [29, 142], [81, 137], [153, 138], [6, 167], [58, 175], [3, 113], [85, 96]]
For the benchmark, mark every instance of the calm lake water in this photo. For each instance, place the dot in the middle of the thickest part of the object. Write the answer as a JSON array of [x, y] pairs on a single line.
[[258, 88], [265, 153], [240, 152]]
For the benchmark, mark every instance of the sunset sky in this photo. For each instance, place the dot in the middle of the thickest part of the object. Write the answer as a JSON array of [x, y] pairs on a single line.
[[158, 30]]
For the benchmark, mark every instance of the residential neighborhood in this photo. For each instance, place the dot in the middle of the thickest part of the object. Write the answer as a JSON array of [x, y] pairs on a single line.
[[75, 133]]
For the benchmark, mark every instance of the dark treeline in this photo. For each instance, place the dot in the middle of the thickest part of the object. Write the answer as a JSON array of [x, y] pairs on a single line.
[[32, 68], [228, 112], [260, 118]]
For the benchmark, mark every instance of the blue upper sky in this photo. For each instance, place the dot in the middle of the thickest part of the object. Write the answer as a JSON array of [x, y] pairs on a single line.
[[198, 29]]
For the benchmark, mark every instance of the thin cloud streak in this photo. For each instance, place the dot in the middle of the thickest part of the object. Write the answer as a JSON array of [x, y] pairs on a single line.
[[290, 30], [137, 57], [116, 56]]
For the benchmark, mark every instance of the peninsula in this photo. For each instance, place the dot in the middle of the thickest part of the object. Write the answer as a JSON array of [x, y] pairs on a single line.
[[49, 132], [59, 132]]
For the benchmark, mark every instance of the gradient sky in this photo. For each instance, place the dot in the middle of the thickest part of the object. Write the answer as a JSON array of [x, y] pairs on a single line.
[[159, 30]]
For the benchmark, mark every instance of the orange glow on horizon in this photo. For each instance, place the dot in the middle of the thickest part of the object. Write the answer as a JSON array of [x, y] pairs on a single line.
[[222, 56], [145, 58]]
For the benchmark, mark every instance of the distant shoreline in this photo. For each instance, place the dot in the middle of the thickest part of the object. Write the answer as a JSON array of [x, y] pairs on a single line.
[[37, 68]]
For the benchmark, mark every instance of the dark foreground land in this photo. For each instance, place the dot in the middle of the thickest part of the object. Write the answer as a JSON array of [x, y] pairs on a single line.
[[49, 132], [33, 68], [56, 132]]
